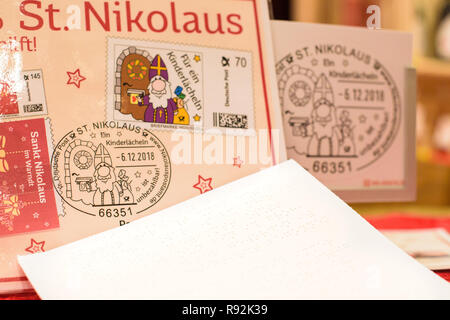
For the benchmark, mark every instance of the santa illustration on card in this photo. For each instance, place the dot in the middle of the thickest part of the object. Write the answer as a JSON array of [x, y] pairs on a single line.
[[105, 179], [91, 177], [316, 127], [161, 107]]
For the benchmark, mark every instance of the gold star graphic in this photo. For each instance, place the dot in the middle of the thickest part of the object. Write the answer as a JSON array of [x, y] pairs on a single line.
[[197, 117], [197, 58]]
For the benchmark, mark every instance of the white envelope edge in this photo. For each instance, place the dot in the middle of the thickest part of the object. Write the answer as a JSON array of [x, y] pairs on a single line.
[[413, 282]]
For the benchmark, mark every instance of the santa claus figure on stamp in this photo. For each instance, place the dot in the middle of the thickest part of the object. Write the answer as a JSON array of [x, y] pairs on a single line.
[[161, 106], [111, 190]]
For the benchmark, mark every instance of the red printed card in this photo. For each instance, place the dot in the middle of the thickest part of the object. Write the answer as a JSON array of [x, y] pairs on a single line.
[[27, 200]]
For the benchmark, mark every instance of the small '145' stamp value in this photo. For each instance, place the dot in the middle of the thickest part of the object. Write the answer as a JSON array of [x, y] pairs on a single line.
[[25, 97]]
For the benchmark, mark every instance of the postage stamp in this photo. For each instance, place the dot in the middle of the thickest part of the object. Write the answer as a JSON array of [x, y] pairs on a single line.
[[110, 169], [27, 198], [29, 101], [172, 86], [341, 108]]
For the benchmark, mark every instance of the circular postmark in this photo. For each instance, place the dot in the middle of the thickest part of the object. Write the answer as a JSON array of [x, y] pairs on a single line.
[[110, 169], [354, 112]]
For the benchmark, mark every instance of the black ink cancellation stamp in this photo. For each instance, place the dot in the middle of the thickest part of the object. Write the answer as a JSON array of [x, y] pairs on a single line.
[[111, 169], [341, 108]]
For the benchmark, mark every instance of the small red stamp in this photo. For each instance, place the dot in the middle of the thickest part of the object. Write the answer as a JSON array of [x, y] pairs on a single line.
[[8, 100], [27, 199]]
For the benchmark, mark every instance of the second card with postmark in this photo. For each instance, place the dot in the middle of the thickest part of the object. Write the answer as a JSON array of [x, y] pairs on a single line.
[[348, 107]]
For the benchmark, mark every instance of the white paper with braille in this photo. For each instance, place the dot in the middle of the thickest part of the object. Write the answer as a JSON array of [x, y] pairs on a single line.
[[277, 234]]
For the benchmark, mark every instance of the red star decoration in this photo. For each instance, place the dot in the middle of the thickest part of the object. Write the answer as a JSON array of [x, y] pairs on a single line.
[[35, 247], [237, 162], [75, 78], [204, 185]]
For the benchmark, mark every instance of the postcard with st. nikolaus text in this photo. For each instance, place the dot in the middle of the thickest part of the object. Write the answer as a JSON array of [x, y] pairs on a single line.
[[138, 107]]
